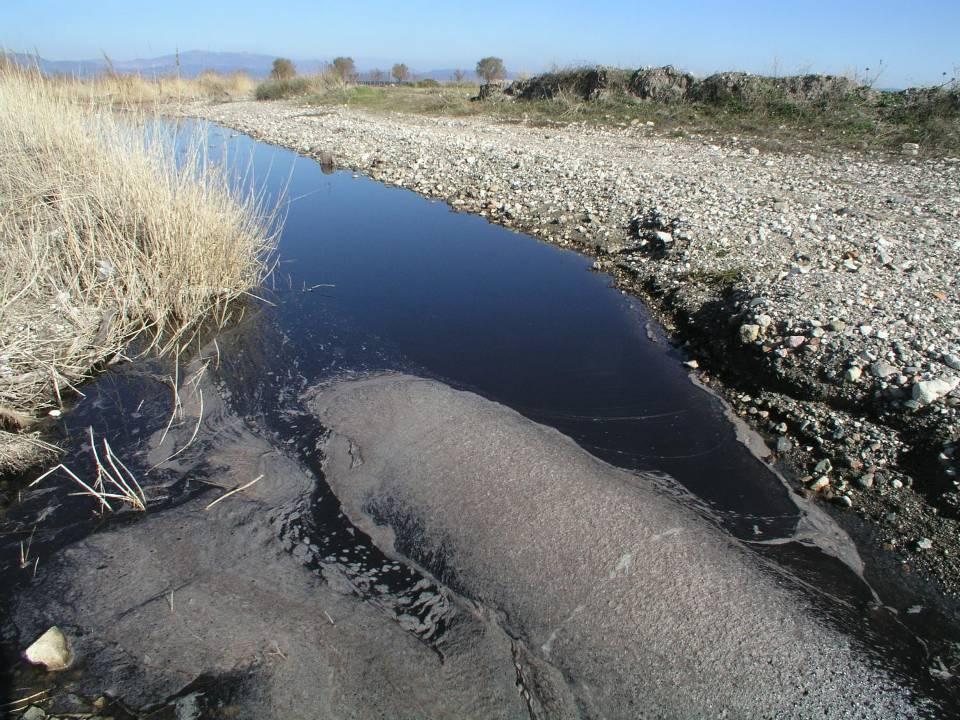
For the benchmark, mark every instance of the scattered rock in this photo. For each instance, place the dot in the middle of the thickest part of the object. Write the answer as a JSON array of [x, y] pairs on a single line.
[[33, 713], [928, 391], [662, 84], [52, 650], [883, 370], [820, 484], [853, 373], [924, 544], [749, 333]]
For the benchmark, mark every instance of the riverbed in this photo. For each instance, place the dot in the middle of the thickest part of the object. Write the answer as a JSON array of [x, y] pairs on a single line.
[[373, 280]]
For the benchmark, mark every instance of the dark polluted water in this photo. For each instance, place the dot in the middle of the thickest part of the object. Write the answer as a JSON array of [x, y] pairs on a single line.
[[372, 278]]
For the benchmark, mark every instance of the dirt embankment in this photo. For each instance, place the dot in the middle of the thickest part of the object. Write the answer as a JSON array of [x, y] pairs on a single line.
[[821, 290]]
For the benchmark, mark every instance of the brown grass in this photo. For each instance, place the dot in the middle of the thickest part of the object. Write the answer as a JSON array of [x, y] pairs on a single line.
[[106, 237], [131, 90]]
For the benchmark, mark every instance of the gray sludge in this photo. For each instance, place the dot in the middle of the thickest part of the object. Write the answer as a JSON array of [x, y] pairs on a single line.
[[623, 602]]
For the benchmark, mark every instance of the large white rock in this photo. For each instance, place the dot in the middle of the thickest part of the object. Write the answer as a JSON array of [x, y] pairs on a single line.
[[928, 391], [52, 650]]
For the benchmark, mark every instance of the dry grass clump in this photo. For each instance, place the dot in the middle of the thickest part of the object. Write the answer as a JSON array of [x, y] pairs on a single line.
[[132, 90], [106, 236]]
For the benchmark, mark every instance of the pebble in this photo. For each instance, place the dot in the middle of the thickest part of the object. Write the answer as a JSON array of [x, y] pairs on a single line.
[[928, 391], [52, 650], [924, 544], [881, 369], [749, 333], [853, 373]]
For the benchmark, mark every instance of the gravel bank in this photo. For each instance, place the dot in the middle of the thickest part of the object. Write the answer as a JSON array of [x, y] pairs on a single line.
[[821, 291]]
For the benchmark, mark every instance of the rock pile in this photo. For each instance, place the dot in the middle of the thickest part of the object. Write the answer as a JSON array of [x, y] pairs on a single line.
[[668, 85]]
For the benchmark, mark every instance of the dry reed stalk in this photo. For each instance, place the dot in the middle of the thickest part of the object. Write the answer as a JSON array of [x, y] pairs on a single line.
[[107, 235], [114, 480], [235, 491]]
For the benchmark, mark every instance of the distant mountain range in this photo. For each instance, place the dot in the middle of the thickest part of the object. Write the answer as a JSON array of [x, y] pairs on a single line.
[[194, 62]]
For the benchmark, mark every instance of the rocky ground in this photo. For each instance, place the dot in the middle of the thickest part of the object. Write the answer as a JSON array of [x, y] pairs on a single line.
[[819, 293]]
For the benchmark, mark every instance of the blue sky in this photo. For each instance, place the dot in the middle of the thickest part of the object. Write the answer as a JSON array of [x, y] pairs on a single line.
[[917, 41]]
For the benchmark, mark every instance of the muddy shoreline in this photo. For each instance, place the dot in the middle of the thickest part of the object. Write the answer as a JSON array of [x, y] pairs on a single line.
[[238, 609], [818, 295]]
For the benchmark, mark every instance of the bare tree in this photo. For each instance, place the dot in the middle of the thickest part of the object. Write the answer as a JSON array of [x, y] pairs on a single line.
[[459, 75], [377, 75], [400, 72], [344, 68], [283, 69], [491, 68]]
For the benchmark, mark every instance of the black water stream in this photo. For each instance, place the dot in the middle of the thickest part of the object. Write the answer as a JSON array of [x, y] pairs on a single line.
[[373, 278]]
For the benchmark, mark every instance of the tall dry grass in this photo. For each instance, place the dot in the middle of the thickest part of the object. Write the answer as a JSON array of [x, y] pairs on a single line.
[[106, 236], [132, 90]]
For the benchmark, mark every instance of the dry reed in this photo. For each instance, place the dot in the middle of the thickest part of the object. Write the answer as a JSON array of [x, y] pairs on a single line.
[[132, 90], [106, 235]]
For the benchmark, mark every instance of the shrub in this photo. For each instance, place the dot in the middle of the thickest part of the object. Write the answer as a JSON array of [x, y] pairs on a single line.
[[427, 83], [280, 89]]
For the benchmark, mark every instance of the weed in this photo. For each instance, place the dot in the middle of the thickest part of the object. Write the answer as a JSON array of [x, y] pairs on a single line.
[[106, 237]]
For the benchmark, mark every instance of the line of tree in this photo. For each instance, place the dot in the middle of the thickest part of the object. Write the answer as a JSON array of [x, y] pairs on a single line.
[[488, 68]]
